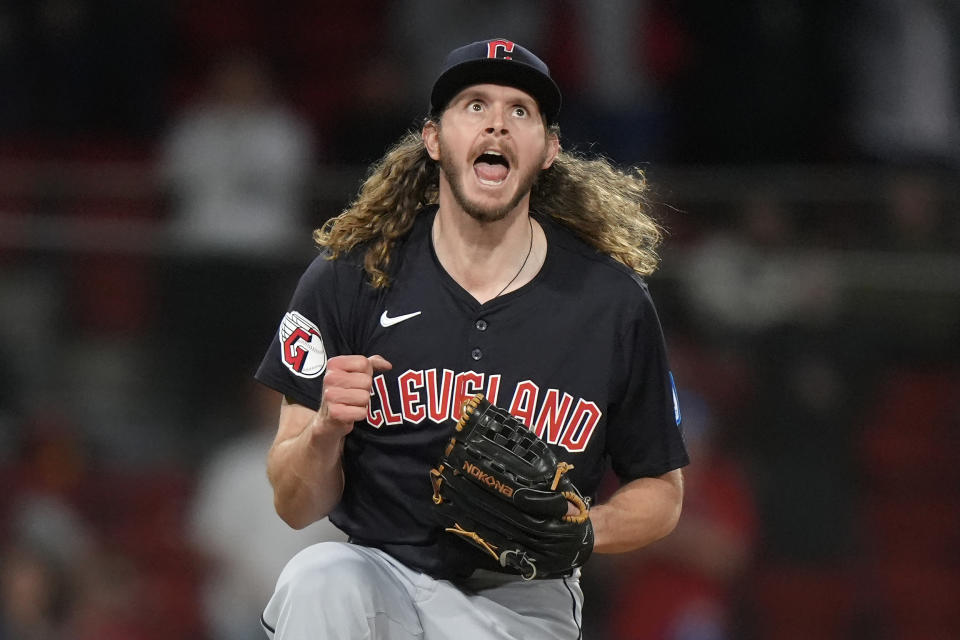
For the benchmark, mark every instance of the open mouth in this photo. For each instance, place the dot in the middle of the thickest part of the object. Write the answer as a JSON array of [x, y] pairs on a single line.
[[491, 167]]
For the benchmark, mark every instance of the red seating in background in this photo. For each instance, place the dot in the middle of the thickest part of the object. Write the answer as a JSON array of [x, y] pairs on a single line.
[[909, 524], [795, 602]]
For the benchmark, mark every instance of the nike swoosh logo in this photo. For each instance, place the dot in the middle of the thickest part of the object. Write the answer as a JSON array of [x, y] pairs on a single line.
[[387, 321]]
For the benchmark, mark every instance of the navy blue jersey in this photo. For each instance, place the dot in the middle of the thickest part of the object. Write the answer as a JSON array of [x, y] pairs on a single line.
[[577, 353]]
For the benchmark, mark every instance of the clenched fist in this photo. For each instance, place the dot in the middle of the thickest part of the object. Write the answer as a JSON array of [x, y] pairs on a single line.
[[347, 385]]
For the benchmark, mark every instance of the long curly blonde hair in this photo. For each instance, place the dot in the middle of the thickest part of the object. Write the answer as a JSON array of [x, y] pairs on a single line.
[[605, 206]]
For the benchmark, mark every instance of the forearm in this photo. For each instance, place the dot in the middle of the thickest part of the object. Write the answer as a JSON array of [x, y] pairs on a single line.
[[304, 464], [640, 512], [307, 477]]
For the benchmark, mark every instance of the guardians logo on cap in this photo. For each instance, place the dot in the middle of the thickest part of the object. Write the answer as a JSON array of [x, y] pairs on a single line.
[[496, 61]]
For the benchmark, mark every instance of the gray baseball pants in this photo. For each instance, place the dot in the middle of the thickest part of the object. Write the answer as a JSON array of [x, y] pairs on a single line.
[[350, 592]]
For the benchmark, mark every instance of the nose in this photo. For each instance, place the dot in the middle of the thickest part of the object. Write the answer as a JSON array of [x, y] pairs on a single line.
[[497, 124]]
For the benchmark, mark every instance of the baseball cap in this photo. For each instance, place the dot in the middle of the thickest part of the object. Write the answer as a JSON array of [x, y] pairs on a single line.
[[496, 61]]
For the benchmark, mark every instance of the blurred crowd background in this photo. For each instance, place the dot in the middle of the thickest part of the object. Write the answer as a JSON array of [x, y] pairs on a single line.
[[162, 163]]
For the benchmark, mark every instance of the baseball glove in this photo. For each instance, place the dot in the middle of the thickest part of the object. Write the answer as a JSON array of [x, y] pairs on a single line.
[[501, 488]]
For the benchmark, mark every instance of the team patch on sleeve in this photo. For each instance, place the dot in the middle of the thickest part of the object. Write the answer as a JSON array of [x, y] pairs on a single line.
[[301, 347]]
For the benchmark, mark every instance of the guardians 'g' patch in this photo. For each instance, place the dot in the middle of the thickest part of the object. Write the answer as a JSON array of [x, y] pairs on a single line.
[[301, 347]]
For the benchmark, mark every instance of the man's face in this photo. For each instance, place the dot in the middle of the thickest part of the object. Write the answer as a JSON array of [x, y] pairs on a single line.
[[491, 145]]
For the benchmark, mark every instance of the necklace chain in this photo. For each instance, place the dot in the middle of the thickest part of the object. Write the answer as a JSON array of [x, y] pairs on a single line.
[[527, 257]]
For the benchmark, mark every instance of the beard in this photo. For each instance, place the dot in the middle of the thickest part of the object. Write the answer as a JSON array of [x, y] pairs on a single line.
[[476, 210]]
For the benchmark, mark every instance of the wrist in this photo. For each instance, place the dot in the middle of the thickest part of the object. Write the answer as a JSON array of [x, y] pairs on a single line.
[[325, 433], [598, 521], [320, 448]]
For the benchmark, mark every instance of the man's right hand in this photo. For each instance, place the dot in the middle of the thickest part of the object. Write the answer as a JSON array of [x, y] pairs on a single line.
[[347, 385]]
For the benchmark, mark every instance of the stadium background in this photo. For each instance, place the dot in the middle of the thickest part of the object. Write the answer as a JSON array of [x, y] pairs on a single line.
[[803, 156]]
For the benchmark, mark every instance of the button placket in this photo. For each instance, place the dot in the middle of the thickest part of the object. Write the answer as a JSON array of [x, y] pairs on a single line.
[[480, 325]]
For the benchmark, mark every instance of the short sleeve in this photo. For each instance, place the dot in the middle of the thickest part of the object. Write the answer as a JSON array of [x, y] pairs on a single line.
[[644, 436], [313, 330]]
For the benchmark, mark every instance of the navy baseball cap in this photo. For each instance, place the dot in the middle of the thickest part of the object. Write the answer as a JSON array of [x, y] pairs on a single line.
[[496, 61]]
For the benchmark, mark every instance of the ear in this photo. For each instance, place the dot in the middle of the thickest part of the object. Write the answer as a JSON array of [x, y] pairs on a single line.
[[431, 139], [553, 148]]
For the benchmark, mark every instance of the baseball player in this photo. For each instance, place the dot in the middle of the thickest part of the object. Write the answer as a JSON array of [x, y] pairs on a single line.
[[478, 257]]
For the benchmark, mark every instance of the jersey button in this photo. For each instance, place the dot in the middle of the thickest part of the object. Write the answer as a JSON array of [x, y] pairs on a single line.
[[476, 354], [481, 325]]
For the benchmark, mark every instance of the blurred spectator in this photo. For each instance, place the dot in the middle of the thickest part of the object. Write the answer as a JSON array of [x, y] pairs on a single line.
[[608, 33], [50, 526], [235, 526], [615, 59], [903, 300], [905, 73], [684, 587], [751, 278], [237, 167], [47, 540], [34, 595]]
